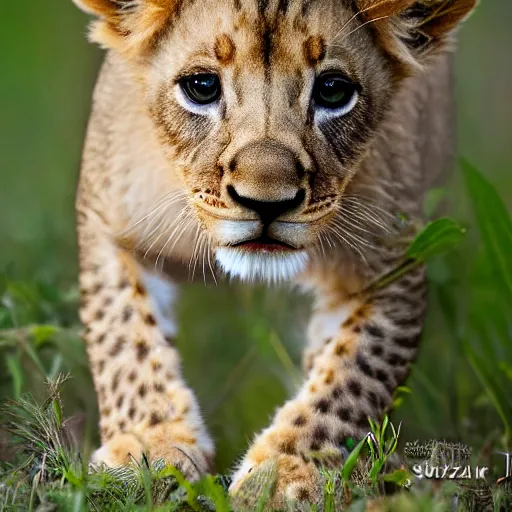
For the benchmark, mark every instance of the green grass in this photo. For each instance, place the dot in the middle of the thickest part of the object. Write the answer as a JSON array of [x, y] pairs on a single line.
[[461, 392], [51, 473]]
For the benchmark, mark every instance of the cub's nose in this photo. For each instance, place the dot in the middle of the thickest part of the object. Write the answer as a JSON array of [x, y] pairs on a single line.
[[266, 177], [268, 211]]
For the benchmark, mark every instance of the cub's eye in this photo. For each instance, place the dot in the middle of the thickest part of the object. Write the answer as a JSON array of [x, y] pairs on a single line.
[[202, 88], [334, 91]]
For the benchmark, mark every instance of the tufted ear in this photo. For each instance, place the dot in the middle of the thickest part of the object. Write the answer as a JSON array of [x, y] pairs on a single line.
[[129, 26], [410, 29]]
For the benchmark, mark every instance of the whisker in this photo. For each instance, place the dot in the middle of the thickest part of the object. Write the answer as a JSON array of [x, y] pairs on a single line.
[[210, 261], [174, 226], [356, 15], [342, 238], [369, 22], [176, 237], [356, 222], [320, 238], [372, 213], [193, 256], [354, 237], [164, 202]]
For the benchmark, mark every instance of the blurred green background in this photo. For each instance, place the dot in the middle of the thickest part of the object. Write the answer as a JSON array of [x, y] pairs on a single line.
[[240, 355]]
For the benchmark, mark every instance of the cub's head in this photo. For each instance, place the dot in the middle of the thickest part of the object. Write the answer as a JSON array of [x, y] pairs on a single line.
[[265, 107]]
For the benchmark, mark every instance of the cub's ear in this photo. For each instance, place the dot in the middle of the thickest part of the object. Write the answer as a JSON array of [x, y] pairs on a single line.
[[410, 29], [128, 26]]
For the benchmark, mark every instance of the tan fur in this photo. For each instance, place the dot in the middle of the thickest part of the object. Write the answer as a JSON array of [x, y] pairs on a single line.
[[165, 181]]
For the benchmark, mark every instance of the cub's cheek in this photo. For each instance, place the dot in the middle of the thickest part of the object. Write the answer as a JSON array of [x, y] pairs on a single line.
[[232, 232], [296, 234]]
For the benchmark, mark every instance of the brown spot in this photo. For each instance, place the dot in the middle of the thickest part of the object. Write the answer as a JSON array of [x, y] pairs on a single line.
[[120, 401], [377, 350], [303, 494], [149, 319], [363, 312], [314, 50], [348, 322], [159, 387], [396, 360], [320, 434], [354, 387], [381, 375], [97, 288], [156, 365], [343, 414], [373, 399], [100, 315], [132, 376], [155, 419], [300, 421], [323, 406], [116, 349], [329, 377], [142, 349], [288, 446], [101, 338], [106, 411], [363, 365], [115, 380], [139, 290], [337, 392], [108, 301], [127, 313], [408, 341], [106, 433], [124, 284], [340, 350], [225, 49], [374, 331], [101, 366], [142, 390], [362, 421], [122, 425], [131, 413]]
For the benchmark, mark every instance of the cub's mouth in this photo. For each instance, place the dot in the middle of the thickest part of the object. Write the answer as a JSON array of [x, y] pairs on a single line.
[[264, 244]]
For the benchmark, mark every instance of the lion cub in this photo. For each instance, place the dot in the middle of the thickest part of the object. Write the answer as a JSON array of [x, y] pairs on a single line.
[[266, 140]]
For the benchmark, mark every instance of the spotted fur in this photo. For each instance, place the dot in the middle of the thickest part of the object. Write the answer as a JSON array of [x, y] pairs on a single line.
[[165, 181]]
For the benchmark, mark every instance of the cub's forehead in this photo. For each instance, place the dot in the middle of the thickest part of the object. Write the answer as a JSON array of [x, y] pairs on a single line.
[[284, 32]]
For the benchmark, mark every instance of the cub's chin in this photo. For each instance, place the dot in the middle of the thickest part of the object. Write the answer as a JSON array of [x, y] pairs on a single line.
[[261, 265]]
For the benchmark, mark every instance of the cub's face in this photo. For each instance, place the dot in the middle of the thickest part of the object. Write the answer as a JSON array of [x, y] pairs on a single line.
[[264, 113], [264, 108]]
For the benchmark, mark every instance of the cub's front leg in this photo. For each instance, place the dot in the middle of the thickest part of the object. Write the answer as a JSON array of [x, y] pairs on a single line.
[[145, 406], [360, 351]]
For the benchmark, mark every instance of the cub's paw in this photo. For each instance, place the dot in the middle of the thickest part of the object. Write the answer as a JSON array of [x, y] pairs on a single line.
[[286, 482], [124, 449]]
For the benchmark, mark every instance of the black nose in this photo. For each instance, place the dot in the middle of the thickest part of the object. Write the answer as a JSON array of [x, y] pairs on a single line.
[[268, 211]]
